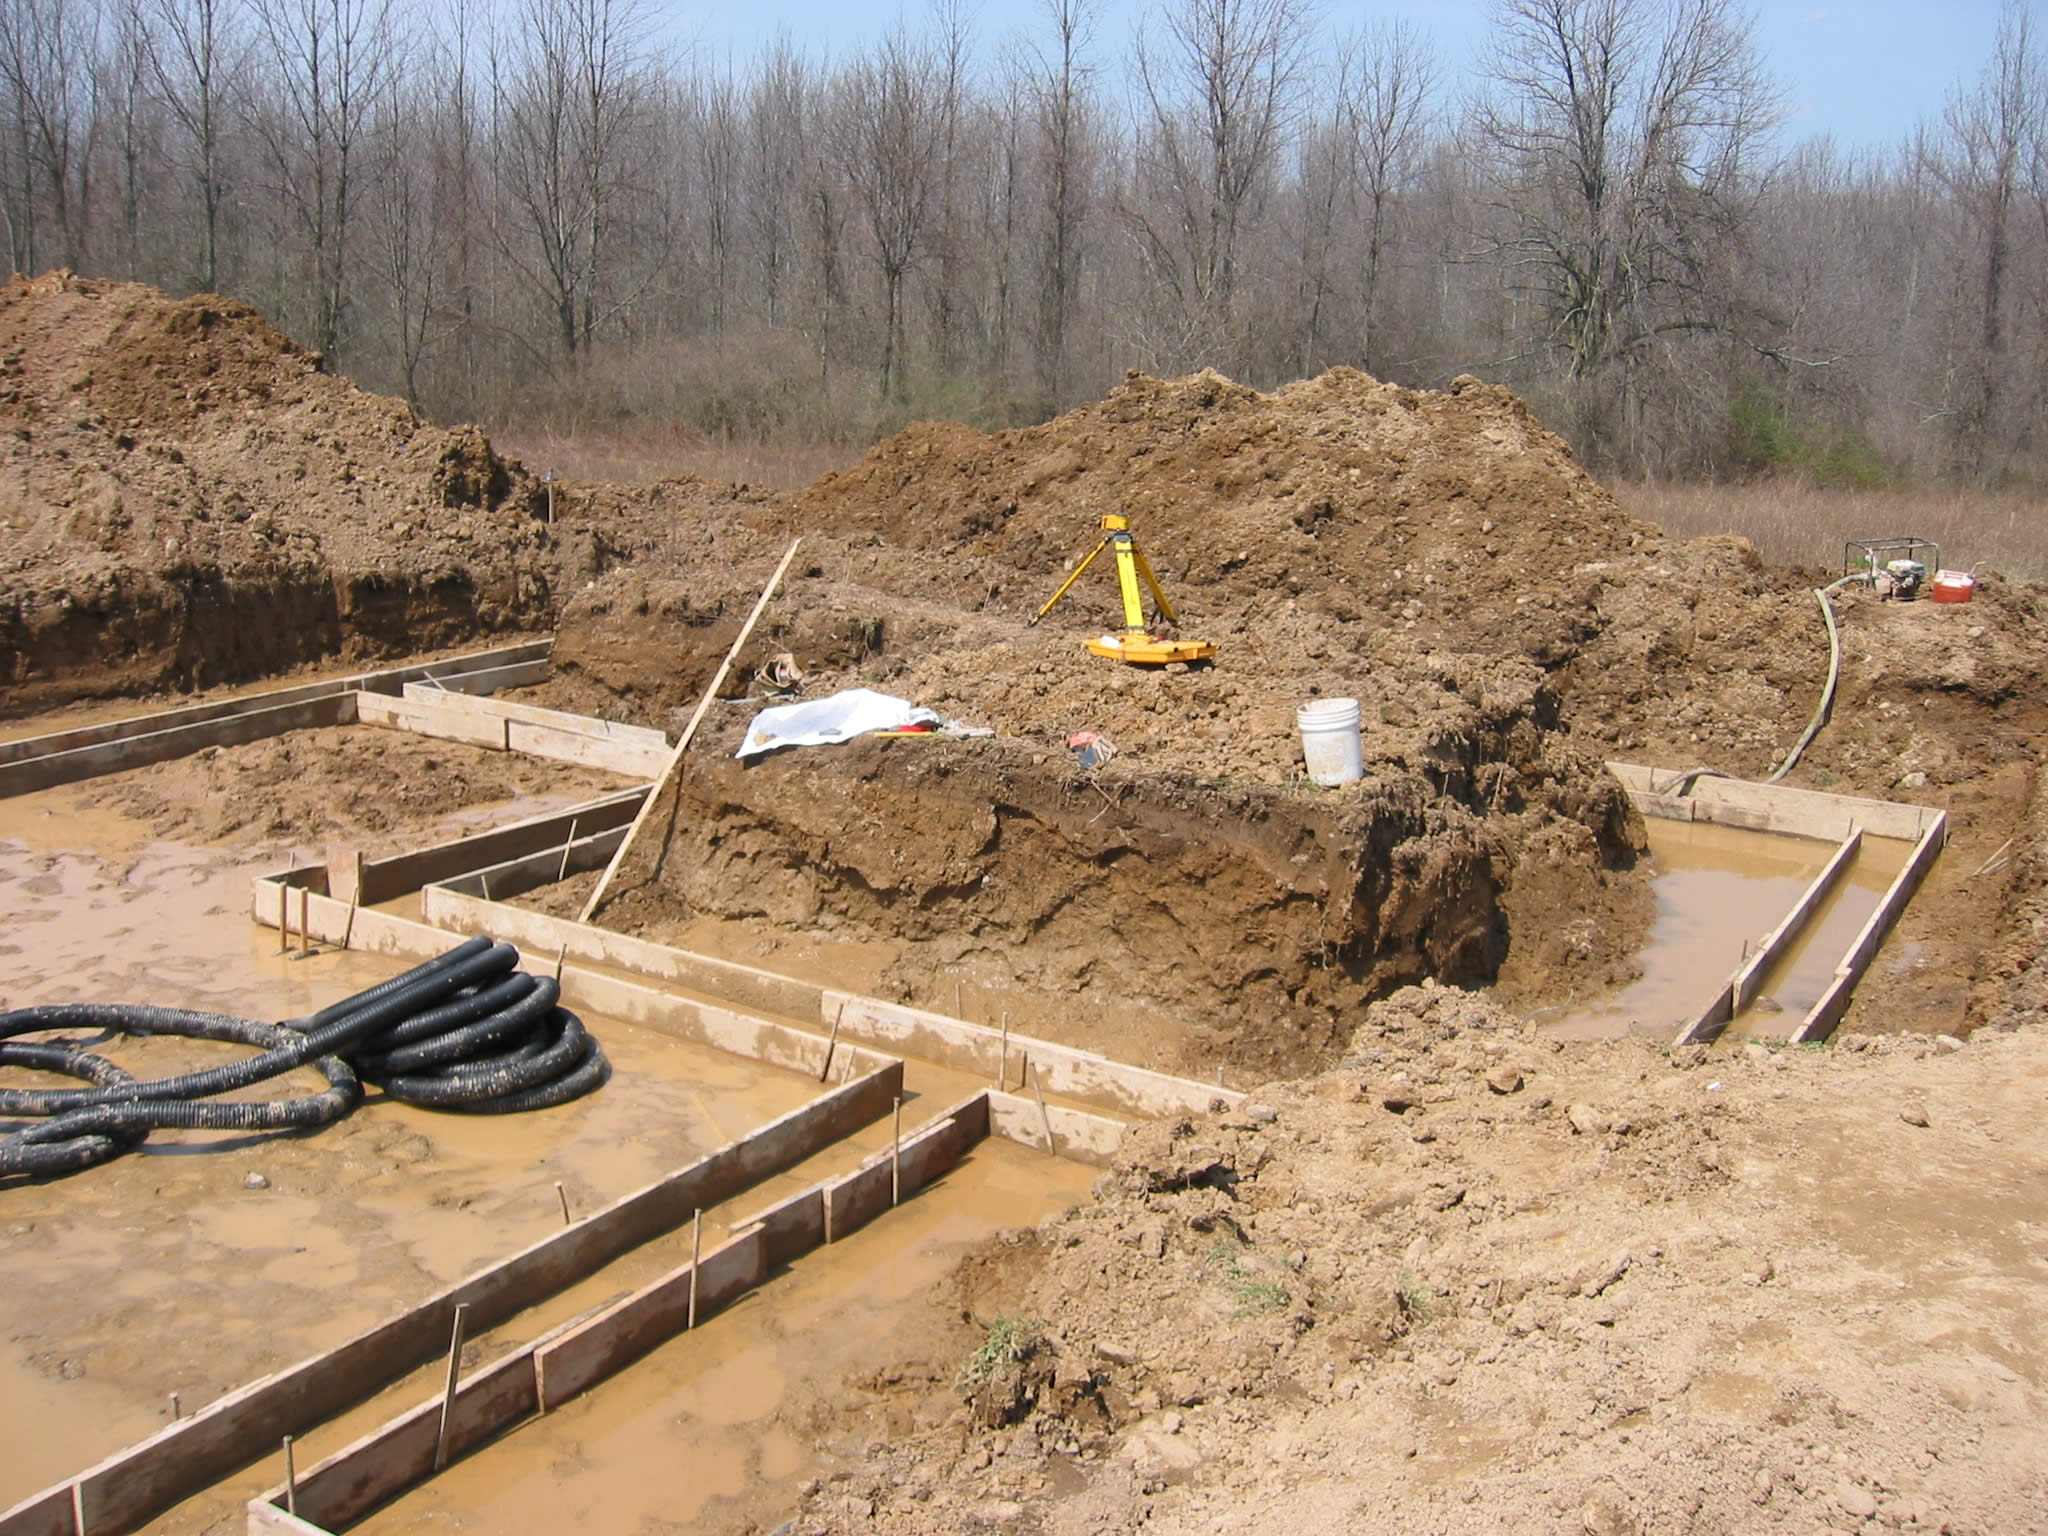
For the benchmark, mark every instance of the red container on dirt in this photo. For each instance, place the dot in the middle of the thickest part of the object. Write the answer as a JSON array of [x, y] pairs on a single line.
[[1954, 587]]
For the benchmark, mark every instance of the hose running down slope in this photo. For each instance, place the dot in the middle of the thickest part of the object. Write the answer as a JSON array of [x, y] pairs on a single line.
[[464, 1031]]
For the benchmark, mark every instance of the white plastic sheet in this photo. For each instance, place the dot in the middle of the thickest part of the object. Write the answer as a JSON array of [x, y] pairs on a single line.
[[829, 721]]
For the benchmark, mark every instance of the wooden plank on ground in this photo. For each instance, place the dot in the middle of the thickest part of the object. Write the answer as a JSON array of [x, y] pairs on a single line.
[[40, 1514], [1076, 1134], [1065, 1070], [515, 877], [403, 873], [633, 759], [153, 722], [482, 680], [651, 1316], [30, 774], [742, 985], [426, 720], [534, 714], [1821, 1019], [789, 1228], [394, 1457], [1749, 978]]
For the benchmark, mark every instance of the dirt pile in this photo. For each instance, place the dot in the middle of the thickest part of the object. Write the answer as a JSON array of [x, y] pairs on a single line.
[[186, 498], [1441, 558], [1473, 1280]]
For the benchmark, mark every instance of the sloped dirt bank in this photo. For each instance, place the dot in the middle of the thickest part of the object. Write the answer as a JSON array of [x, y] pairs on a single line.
[[1473, 1281], [187, 499], [1255, 918]]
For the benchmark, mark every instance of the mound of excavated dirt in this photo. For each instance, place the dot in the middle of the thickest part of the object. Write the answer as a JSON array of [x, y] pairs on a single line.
[[187, 499], [1475, 1281], [1440, 557]]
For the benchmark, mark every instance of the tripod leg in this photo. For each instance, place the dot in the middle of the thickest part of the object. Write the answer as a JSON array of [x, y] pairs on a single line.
[[1159, 597], [1078, 571]]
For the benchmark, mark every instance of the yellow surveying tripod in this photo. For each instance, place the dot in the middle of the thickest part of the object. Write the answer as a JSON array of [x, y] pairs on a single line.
[[1136, 644]]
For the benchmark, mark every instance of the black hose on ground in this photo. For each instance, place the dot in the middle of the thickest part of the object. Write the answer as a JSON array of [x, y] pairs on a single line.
[[465, 1031]]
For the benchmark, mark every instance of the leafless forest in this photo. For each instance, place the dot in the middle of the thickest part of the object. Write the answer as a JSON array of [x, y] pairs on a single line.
[[550, 211]]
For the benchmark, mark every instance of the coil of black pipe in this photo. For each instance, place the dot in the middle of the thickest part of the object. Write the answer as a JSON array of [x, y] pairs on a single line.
[[465, 1031]]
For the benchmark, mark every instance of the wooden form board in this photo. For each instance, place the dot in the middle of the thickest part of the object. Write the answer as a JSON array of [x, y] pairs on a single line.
[[138, 1483], [1821, 1019], [447, 720], [387, 879], [741, 985], [1057, 1129], [534, 714], [515, 877], [1772, 807], [526, 656], [1740, 990], [438, 721], [570, 1360], [683, 1018], [88, 762], [1063, 1070]]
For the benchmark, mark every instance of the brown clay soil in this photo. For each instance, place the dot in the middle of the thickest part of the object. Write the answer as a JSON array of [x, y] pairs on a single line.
[[1474, 1280], [1451, 1276], [186, 499]]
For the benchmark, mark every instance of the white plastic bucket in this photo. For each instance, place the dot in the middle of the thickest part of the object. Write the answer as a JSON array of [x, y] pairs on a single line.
[[1330, 742]]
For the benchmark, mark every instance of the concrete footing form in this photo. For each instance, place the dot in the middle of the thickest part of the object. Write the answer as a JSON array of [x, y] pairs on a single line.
[[1067, 1102]]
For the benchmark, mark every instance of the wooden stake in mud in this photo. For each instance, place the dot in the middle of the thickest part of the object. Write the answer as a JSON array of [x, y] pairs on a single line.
[[448, 1391], [831, 1042], [284, 918], [78, 1509], [291, 1481], [348, 932], [562, 1195], [305, 921], [896, 1157], [696, 1252], [1003, 1062], [683, 743], [561, 954], [176, 1411], [563, 873], [1045, 1117]]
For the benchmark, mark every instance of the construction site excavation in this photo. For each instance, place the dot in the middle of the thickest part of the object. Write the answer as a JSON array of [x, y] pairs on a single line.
[[1233, 961]]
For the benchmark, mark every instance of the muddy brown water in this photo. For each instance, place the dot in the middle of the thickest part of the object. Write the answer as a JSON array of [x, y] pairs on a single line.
[[162, 1273], [1719, 892]]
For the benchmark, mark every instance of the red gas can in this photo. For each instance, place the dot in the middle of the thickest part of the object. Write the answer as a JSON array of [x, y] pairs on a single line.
[[1954, 586]]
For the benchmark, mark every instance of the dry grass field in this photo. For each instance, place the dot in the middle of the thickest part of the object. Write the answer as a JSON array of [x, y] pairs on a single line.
[[1794, 524], [639, 458], [1791, 523]]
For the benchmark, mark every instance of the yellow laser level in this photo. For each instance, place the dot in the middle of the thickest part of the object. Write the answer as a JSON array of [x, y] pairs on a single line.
[[1137, 644]]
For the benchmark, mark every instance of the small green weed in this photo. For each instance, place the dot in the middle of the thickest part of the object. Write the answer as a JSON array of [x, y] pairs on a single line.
[[1251, 1288], [1414, 1296], [1010, 1341]]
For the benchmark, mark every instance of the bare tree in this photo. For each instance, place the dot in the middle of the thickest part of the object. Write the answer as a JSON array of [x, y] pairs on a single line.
[[1217, 89], [45, 70], [569, 99], [891, 122], [1386, 80], [328, 59], [1992, 146], [1623, 140], [199, 49], [1062, 84], [778, 104]]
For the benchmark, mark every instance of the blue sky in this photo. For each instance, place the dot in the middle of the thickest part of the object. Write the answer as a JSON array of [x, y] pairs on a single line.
[[1864, 72]]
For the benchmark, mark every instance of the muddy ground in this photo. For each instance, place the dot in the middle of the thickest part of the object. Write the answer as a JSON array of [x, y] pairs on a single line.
[[1825, 1318], [205, 1261], [1472, 1280]]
